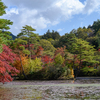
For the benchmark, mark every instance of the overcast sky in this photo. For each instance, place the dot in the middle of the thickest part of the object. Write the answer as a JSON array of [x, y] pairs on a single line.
[[57, 15]]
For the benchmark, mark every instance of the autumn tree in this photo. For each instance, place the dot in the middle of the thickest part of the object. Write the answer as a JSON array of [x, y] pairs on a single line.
[[19, 64], [18, 47], [46, 59], [6, 70], [6, 56]]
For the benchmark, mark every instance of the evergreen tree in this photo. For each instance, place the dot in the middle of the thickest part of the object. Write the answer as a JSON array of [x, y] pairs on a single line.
[[4, 24], [27, 33], [82, 33], [84, 51], [54, 35]]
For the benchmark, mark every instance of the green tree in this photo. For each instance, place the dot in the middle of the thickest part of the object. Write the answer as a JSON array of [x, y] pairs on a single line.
[[82, 33], [97, 56], [85, 52], [17, 46], [4, 24], [96, 26], [67, 40], [28, 34], [49, 49], [59, 59], [93, 40], [1, 42], [47, 35], [54, 35], [93, 37], [98, 38]]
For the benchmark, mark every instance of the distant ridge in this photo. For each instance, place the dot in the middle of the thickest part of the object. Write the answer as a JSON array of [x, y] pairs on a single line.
[[13, 36]]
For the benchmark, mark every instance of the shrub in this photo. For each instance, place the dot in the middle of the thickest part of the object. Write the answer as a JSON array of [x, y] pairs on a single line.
[[53, 71], [35, 65], [59, 59], [89, 71]]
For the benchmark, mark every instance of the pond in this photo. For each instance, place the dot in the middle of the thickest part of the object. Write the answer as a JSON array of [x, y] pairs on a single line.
[[84, 89]]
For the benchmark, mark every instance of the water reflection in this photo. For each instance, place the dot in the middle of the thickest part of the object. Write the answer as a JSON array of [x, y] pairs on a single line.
[[50, 90]]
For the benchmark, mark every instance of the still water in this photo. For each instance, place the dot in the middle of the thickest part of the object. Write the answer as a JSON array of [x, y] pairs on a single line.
[[84, 89]]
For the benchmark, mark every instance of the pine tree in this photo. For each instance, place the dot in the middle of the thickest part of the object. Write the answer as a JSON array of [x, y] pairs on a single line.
[[4, 24], [84, 51], [31, 37]]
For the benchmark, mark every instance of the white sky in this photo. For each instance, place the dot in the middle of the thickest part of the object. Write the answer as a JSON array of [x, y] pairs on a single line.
[[51, 14]]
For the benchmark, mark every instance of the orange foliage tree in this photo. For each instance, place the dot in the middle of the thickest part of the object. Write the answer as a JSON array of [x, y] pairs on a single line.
[[24, 61]]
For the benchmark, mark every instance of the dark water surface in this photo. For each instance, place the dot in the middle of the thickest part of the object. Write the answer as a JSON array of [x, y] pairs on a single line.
[[81, 89]]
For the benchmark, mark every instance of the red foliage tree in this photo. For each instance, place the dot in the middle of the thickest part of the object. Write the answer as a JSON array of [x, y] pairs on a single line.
[[39, 51], [99, 49], [46, 59], [6, 70], [34, 52], [61, 51]]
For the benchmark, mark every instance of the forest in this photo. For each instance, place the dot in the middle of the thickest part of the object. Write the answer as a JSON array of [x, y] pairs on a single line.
[[49, 56]]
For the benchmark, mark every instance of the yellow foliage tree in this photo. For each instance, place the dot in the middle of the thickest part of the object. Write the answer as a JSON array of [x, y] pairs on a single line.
[[35, 65], [17, 63]]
